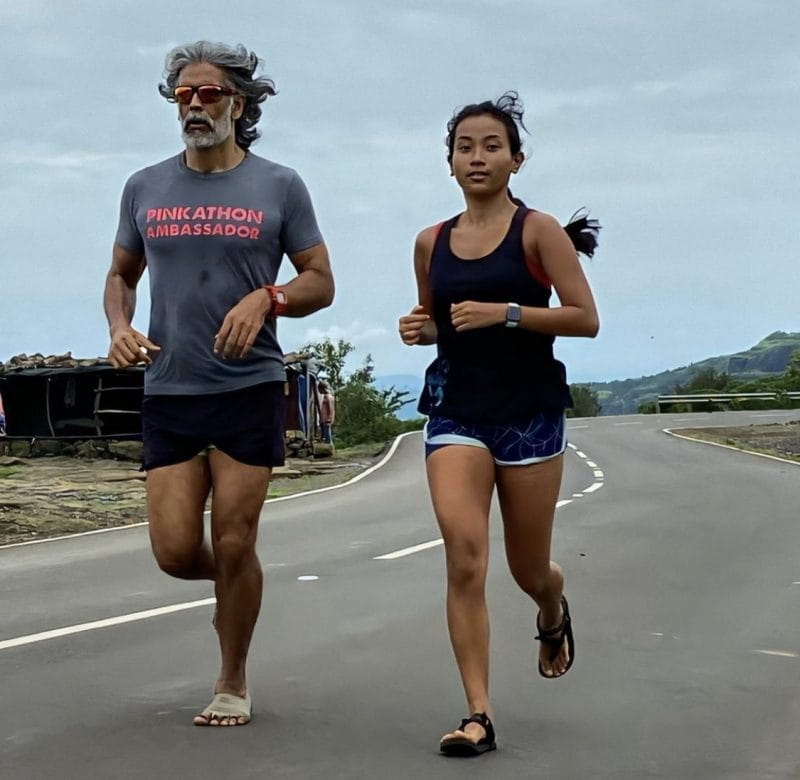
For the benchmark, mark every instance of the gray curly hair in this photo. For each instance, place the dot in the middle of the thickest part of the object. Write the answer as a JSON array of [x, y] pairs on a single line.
[[239, 65]]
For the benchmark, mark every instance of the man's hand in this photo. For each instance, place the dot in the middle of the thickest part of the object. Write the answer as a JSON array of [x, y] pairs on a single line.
[[410, 325], [242, 325], [129, 347], [470, 315]]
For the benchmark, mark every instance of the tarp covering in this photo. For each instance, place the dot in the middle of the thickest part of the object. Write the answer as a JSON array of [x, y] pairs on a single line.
[[63, 397]]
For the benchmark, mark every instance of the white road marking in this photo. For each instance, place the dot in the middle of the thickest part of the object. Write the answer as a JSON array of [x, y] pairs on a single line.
[[580, 495], [352, 481], [728, 447], [576, 427], [435, 543], [581, 454], [591, 464], [132, 617], [571, 446], [150, 613], [778, 653], [656, 633], [628, 423], [598, 473], [408, 550]]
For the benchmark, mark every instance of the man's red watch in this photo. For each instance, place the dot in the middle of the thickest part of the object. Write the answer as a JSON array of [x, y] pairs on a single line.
[[279, 300]]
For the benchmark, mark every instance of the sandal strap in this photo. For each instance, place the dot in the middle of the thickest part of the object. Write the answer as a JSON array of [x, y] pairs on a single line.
[[482, 719], [555, 636]]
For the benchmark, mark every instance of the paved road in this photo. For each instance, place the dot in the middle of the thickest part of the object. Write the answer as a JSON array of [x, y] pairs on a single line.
[[682, 571]]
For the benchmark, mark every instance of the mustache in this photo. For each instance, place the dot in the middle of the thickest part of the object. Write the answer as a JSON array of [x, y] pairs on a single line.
[[198, 119]]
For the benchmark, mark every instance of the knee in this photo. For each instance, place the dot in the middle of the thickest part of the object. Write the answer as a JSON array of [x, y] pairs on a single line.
[[232, 550], [466, 568], [175, 558], [540, 583]]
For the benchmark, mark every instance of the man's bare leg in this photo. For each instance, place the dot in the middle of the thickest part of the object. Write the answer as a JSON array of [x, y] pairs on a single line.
[[176, 499], [239, 491]]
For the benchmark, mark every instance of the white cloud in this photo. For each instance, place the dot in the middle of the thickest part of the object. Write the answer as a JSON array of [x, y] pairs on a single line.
[[696, 83], [358, 333]]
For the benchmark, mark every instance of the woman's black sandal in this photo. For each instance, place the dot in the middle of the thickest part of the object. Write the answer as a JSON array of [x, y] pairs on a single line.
[[462, 746], [554, 639]]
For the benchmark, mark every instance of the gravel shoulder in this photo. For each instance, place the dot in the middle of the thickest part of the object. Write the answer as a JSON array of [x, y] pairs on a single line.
[[54, 496], [779, 439]]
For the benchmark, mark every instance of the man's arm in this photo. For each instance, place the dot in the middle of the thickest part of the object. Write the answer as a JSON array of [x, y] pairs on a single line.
[[313, 287], [119, 302], [311, 290]]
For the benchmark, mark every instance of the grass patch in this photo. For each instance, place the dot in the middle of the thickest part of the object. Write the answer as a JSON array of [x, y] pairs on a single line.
[[370, 450], [289, 487], [6, 471]]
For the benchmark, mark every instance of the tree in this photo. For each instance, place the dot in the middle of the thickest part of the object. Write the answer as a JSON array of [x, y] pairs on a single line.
[[586, 400], [331, 359], [364, 413]]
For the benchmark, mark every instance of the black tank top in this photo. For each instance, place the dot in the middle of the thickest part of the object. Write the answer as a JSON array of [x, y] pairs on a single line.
[[491, 375]]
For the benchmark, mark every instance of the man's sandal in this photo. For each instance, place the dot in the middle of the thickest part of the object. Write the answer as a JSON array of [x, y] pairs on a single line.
[[463, 746], [554, 639]]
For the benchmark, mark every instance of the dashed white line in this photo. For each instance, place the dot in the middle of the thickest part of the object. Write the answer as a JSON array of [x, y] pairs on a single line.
[[409, 550], [132, 617], [576, 427], [434, 543], [593, 487], [581, 454], [598, 473], [591, 464], [627, 423], [778, 653]]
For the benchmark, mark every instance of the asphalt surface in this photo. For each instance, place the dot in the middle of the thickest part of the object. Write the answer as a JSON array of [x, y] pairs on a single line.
[[684, 582]]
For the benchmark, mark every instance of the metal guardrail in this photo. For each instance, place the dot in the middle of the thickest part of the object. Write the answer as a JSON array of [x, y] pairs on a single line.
[[707, 398]]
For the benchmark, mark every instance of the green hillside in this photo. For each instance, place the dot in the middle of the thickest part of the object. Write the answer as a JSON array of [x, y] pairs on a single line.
[[767, 358]]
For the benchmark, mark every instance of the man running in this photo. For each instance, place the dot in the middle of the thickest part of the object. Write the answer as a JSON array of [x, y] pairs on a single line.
[[212, 224]]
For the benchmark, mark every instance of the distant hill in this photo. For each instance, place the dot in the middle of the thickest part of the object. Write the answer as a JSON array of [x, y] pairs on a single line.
[[408, 382], [767, 358]]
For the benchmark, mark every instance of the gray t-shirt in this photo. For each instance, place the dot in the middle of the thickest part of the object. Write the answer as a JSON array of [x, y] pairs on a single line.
[[210, 239]]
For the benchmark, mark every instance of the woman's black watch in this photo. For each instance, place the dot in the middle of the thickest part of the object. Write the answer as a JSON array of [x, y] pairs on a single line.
[[513, 315]]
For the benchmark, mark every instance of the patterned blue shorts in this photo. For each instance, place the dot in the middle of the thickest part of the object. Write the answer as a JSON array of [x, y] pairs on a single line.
[[540, 438]]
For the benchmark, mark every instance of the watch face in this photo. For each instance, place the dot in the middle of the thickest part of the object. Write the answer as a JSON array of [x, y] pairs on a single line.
[[514, 314], [281, 296]]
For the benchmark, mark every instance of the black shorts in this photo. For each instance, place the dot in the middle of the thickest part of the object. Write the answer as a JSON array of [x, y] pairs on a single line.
[[247, 424]]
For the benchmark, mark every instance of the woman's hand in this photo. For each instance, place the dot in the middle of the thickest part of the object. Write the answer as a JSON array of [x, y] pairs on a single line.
[[471, 315], [410, 325]]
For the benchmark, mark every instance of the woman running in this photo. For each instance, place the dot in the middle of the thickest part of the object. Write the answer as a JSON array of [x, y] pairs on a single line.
[[495, 395]]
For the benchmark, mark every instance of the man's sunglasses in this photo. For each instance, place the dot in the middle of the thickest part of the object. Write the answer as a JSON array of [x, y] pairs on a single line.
[[208, 93]]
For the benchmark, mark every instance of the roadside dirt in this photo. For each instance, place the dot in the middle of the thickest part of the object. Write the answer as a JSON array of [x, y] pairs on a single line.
[[53, 496], [780, 439]]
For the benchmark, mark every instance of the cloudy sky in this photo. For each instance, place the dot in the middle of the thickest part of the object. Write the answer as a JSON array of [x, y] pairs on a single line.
[[676, 123]]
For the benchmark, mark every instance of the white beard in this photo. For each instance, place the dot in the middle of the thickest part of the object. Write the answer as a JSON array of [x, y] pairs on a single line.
[[220, 130]]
